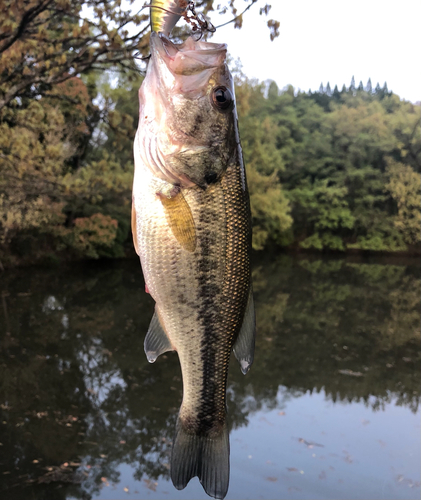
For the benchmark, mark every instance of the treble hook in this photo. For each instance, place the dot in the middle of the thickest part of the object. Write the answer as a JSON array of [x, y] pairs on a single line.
[[198, 22]]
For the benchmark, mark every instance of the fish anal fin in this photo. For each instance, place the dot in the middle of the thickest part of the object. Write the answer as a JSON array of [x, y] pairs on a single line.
[[244, 344], [156, 340], [180, 219], [134, 229]]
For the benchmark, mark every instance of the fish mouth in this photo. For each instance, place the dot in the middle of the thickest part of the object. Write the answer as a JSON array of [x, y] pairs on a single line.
[[207, 54], [190, 63]]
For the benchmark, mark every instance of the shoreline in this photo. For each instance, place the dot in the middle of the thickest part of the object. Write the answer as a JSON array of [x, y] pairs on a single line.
[[352, 256]]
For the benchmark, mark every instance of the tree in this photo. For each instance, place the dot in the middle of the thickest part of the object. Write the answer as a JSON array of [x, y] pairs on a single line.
[[404, 186], [273, 90], [50, 201], [336, 177], [328, 214], [261, 129], [328, 90], [45, 42], [352, 85], [369, 87]]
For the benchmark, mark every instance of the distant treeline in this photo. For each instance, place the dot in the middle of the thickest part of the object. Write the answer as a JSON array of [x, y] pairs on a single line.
[[334, 170], [327, 170]]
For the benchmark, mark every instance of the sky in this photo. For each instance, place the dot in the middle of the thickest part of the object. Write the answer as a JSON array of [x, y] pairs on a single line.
[[330, 41]]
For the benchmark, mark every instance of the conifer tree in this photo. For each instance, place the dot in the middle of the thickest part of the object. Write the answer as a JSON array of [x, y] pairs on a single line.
[[352, 86], [321, 89], [343, 91], [369, 87], [360, 86], [336, 94], [377, 90], [328, 90]]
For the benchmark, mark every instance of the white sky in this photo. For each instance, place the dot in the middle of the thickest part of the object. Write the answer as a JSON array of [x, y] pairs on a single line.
[[331, 40]]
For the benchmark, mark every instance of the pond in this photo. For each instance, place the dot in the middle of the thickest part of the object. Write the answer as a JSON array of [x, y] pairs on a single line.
[[330, 408]]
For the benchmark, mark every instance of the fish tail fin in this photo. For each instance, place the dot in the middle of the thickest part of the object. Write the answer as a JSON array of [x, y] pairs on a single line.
[[204, 456]]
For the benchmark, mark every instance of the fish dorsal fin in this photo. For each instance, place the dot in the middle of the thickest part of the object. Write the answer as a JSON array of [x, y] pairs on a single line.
[[180, 219], [134, 229], [244, 345], [156, 340]]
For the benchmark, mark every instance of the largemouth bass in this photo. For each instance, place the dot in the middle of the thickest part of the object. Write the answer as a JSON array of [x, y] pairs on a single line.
[[192, 230]]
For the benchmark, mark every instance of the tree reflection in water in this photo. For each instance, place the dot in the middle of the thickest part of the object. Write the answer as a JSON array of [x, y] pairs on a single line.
[[78, 396]]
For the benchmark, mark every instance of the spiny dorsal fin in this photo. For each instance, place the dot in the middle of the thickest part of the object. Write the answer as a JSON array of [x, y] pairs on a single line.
[[180, 220], [244, 345], [156, 340]]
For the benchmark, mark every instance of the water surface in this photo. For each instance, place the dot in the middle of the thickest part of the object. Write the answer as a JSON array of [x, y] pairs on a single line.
[[330, 408]]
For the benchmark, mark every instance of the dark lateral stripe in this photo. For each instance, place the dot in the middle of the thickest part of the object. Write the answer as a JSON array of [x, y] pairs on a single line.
[[207, 293], [221, 321]]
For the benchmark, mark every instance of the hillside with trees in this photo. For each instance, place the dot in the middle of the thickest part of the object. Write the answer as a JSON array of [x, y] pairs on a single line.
[[341, 167]]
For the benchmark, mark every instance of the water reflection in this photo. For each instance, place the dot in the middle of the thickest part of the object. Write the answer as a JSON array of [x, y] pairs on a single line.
[[79, 399]]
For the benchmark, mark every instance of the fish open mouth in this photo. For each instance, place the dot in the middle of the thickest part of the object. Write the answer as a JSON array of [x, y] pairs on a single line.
[[191, 63], [207, 52]]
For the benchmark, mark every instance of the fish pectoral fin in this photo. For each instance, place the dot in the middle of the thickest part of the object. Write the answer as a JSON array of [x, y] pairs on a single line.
[[180, 219], [134, 229], [156, 340], [244, 344]]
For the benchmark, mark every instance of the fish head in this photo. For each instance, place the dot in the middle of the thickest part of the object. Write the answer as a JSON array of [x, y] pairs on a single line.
[[187, 103]]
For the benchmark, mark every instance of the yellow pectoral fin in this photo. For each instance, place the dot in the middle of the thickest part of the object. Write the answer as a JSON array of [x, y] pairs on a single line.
[[134, 229], [180, 220]]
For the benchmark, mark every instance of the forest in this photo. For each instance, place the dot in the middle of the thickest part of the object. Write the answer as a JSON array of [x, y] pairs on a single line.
[[332, 170]]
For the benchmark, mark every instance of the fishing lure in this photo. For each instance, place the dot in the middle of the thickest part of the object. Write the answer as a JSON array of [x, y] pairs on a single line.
[[166, 13]]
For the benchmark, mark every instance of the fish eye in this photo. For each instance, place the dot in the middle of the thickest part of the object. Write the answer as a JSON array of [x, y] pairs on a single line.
[[221, 98]]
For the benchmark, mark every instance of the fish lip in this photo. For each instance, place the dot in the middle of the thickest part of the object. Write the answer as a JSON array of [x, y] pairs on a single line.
[[161, 44], [168, 50]]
